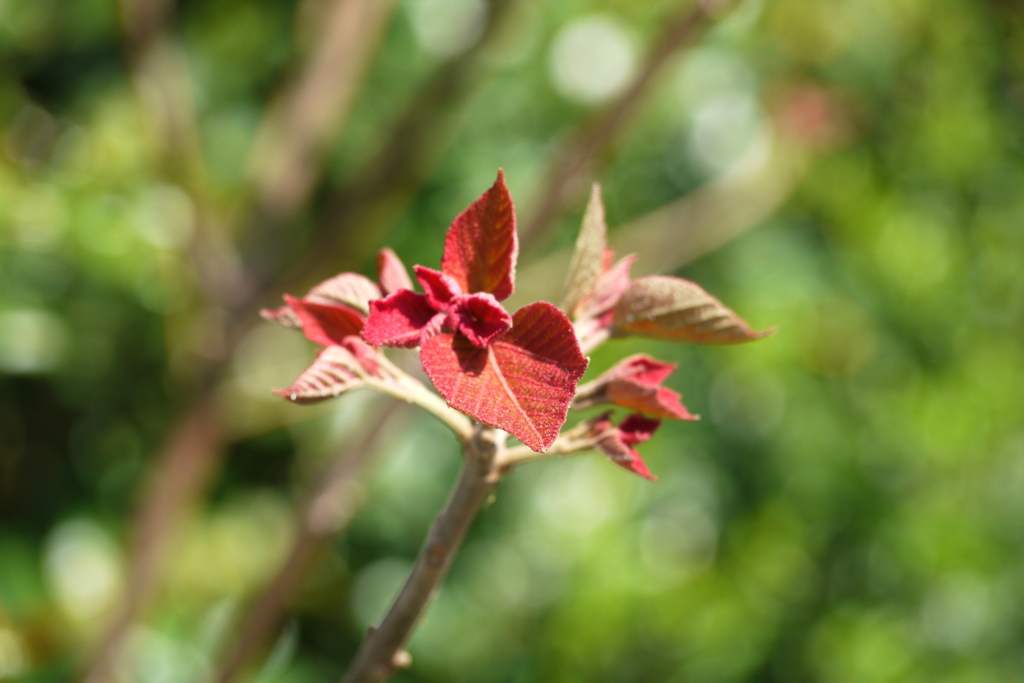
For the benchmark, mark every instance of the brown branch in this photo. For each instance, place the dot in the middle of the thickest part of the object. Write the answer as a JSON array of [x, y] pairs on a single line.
[[288, 154], [160, 74], [382, 188], [313, 108], [717, 213], [181, 468], [326, 512], [569, 170], [383, 650]]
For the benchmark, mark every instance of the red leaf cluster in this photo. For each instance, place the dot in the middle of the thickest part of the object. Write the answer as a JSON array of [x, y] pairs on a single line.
[[603, 301], [517, 373], [333, 315], [408, 319]]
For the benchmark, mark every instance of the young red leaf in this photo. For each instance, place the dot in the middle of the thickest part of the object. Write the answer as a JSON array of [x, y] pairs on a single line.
[[391, 272], [617, 442], [438, 287], [657, 401], [588, 256], [398, 319], [479, 317], [633, 430], [334, 372], [637, 429], [643, 369], [522, 382], [481, 246], [635, 383], [664, 307], [325, 324]]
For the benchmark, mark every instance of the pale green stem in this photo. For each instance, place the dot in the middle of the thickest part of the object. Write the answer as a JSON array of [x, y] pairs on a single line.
[[405, 387]]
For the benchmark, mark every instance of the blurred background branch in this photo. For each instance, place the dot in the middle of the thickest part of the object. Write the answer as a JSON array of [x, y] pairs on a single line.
[[326, 512], [309, 112]]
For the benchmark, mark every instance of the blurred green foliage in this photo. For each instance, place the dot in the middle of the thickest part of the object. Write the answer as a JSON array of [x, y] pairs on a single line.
[[850, 508]]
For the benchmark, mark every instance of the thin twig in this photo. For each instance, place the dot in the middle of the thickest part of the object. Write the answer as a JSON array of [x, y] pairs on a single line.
[[383, 650], [407, 388], [569, 170], [579, 439], [326, 512]]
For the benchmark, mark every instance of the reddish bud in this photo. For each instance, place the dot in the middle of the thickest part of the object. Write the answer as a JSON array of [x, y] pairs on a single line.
[[440, 289], [479, 317], [608, 289]]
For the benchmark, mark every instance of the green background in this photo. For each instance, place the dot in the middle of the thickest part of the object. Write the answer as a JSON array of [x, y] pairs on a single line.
[[850, 509]]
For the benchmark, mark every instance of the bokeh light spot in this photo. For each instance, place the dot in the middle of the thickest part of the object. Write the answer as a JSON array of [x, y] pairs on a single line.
[[32, 340], [592, 59], [83, 567]]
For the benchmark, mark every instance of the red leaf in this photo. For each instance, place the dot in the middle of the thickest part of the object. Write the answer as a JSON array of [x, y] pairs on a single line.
[[637, 429], [664, 307], [660, 401], [635, 383], [636, 465], [391, 272], [643, 369], [347, 289], [481, 246], [325, 324], [398, 319], [334, 372], [618, 442], [522, 382], [479, 317]]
